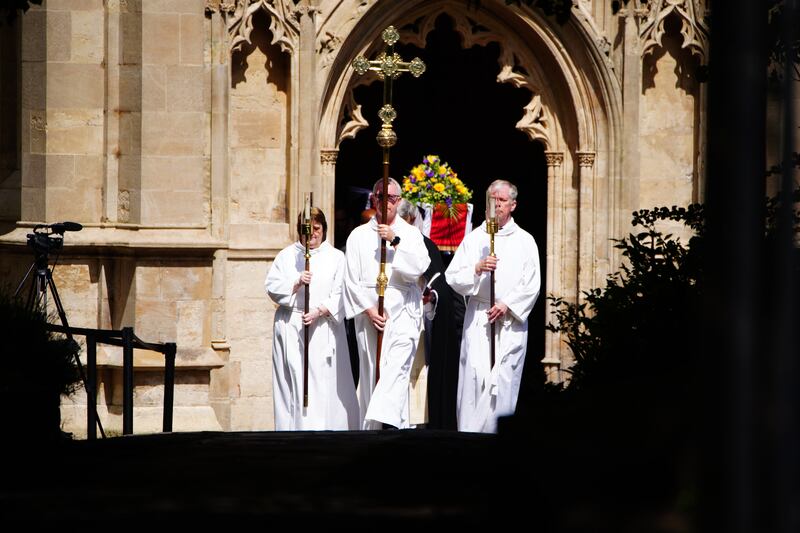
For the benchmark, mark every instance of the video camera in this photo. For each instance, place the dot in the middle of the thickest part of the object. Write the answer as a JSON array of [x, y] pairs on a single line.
[[49, 237]]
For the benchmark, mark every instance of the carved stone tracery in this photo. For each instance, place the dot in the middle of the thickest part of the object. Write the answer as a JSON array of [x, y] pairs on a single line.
[[283, 22], [694, 26], [536, 120]]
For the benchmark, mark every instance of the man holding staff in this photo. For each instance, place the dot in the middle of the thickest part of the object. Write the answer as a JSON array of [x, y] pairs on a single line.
[[331, 392], [486, 393], [385, 403]]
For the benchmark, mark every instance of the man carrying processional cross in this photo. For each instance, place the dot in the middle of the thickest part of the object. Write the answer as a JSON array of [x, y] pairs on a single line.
[[384, 261], [387, 401]]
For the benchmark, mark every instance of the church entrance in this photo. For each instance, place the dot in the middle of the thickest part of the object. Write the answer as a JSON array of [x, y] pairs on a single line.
[[459, 111]]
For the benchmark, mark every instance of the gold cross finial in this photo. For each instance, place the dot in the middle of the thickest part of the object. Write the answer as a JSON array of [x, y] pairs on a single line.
[[389, 65]]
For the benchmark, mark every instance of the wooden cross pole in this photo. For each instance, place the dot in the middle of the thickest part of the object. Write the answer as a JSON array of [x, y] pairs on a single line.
[[309, 203], [389, 65]]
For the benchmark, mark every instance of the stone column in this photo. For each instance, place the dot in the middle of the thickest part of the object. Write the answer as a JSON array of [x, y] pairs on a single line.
[[327, 159], [112, 133], [631, 96], [219, 387], [552, 354], [586, 229], [307, 114]]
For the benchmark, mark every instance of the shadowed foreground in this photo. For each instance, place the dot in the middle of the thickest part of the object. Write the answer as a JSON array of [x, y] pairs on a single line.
[[352, 478]]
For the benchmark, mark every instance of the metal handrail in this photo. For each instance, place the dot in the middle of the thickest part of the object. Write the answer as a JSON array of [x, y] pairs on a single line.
[[128, 340]]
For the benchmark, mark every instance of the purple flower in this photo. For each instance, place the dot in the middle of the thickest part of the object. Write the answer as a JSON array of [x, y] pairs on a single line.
[[449, 201], [429, 172], [413, 179], [425, 160]]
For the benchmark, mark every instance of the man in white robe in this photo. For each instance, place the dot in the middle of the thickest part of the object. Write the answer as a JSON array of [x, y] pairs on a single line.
[[406, 260], [332, 403], [485, 393]]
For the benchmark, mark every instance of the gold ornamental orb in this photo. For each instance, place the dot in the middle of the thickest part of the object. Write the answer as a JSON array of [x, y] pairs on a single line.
[[386, 137]]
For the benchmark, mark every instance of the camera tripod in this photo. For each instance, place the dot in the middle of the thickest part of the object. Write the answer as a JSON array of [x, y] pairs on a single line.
[[44, 239]]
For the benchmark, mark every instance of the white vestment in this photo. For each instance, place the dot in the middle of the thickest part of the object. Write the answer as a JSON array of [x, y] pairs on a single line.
[[331, 391], [484, 394], [388, 401]]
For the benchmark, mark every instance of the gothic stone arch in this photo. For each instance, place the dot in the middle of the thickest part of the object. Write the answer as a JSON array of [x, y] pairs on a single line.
[[572, 111]]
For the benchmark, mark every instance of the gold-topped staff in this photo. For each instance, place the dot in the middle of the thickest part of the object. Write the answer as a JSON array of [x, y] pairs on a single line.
[[389, 65], [491, 229], [307, 235]]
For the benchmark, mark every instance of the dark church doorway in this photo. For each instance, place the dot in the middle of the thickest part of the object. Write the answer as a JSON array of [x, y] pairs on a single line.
[[459, 111]]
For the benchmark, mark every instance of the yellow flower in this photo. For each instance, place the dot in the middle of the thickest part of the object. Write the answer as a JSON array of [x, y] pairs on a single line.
[[434, 181]]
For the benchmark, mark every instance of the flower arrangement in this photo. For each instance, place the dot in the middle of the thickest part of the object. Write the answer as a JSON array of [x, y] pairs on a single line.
[[434, 182]]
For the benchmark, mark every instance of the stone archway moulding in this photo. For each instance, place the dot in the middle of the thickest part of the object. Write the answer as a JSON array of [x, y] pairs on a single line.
[[514, 67]]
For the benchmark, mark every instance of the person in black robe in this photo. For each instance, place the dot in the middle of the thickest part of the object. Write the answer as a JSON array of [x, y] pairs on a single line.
[[443, 335]]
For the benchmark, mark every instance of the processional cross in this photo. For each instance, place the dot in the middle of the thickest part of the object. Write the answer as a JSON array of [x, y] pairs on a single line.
[[389, 65]]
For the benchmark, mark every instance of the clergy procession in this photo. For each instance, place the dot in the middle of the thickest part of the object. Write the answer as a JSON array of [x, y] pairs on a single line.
[[495, 270], [381, 283]]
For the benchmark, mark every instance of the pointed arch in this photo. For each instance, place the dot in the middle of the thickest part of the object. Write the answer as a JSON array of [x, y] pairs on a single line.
[[574, 112]]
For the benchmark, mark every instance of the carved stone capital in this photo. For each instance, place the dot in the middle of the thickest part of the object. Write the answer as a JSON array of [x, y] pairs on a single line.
[[219, 6], [586, 159], [306, 10], [554, 159], [328, 156]]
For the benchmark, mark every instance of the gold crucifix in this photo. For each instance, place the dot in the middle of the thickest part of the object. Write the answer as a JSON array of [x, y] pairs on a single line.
[[389, 66]]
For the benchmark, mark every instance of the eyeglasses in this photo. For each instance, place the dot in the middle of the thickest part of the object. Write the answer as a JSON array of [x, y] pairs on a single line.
[[392, 198]]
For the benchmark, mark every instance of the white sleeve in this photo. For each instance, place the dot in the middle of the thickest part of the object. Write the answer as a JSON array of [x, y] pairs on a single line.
[[281, 278]]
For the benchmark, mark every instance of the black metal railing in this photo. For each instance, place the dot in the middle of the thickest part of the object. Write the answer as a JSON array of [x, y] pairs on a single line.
[[128, 340]]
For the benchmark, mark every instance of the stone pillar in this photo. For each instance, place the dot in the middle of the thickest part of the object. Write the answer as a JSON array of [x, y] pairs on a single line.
[[219, 387], [553, 344], [327, 159], [631, 94], [127, 183], [307, 115], [63, 102], [112, 133], [586, 229]]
